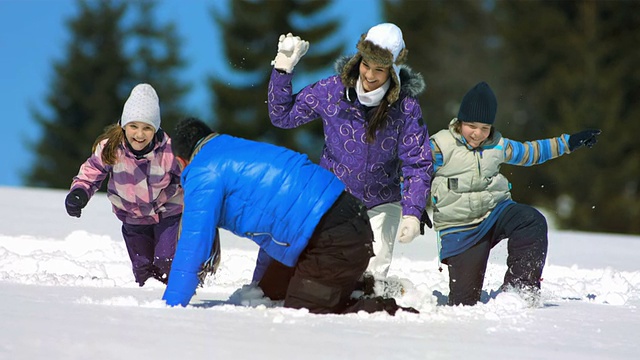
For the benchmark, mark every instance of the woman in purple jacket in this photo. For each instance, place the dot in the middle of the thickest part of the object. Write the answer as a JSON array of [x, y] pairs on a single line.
[[376, 141], [144, 184]]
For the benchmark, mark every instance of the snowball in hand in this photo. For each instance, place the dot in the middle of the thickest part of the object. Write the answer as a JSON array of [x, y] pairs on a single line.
[[287, 44]]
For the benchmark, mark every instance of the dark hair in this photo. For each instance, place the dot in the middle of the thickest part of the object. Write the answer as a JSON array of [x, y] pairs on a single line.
[[186, 135], [378, 120]]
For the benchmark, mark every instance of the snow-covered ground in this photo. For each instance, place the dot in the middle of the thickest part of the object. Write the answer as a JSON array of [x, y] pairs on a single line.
[[67, 292]]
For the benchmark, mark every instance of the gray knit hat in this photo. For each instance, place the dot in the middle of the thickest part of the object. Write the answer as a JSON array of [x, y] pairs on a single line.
[[384, 45], [142, 105], [479, 105]]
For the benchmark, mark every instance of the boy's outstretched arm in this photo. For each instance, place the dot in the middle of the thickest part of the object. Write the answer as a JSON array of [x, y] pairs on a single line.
[[538, 151]]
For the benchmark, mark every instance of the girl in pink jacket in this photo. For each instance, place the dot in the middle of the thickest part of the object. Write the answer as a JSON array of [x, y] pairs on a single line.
[[144, 184]]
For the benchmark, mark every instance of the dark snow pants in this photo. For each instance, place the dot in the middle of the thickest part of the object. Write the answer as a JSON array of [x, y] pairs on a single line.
[[151, 248], [335, 258], [526, 230]]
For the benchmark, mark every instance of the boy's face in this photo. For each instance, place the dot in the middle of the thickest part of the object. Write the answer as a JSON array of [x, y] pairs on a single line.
[[475, 133]]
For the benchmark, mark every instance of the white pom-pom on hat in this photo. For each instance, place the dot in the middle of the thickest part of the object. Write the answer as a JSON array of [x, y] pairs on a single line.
[[142, 105]]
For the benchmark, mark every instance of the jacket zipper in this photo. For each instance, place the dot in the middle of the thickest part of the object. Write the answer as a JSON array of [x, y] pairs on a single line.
[[252, 234]]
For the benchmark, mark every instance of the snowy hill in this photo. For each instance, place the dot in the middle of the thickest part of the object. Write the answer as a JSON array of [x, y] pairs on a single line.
[[68, 293]]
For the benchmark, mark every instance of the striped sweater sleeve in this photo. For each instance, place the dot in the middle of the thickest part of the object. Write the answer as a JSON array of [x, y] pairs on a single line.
[[535, 152]]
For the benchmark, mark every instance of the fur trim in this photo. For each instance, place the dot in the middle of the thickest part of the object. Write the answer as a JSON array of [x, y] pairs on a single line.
[[378, 54], [413, 83]]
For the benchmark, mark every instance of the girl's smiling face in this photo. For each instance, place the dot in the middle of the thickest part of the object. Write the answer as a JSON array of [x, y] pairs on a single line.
[[475, 133], [139, 134], [373, 75]]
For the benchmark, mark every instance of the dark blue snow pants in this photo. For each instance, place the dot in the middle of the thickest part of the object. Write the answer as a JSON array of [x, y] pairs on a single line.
[[526, 229]]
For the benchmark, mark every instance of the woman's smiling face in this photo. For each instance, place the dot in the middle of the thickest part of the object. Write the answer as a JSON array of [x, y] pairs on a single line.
[[373, 75]]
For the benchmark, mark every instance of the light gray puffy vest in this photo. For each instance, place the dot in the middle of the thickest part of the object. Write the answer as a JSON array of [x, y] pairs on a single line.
[[469, 185]]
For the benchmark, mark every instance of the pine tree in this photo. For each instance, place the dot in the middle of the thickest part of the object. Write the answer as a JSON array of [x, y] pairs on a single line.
[[82, 97], [92, 82], [250, 34], [578, 64]]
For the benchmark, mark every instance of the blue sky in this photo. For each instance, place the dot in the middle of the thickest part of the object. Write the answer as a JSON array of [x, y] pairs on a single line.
[[33, 35]]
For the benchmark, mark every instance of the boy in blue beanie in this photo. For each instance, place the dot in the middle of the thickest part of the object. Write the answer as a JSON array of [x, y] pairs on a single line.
[[472, 206]]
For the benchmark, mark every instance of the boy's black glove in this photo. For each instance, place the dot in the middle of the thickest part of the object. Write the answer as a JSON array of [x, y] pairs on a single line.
[[424, 219], [76, 200], [585, 137]]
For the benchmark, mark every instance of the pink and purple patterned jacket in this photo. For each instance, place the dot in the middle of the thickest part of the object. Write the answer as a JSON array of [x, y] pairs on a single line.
[[140, 188]]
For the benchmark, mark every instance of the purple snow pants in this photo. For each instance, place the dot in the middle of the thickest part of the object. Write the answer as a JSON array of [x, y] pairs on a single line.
[[151, 248]]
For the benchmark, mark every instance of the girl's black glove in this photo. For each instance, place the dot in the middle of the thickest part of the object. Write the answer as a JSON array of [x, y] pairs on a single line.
[[585, 137], [76, 200]]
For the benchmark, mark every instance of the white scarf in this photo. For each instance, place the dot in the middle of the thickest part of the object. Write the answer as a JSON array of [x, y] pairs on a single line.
[[371, 98]]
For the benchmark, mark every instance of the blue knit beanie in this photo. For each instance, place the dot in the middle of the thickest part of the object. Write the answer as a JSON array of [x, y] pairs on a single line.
[[479, 105]]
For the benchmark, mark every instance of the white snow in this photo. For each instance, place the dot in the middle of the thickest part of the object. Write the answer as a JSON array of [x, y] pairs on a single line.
[[67, 292]]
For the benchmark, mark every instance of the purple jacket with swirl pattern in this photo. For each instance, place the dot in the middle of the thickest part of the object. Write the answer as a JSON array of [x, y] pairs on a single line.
[[371, 171]]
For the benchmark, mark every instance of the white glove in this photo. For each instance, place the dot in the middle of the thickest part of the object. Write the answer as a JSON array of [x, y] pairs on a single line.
[[290, 50], [409, 229]]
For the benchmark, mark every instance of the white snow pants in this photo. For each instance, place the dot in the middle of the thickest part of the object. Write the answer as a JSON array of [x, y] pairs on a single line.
[[385, 220]]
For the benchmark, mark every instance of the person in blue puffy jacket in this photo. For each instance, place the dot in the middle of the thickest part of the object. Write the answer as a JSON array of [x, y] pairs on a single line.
[[296, 211]]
